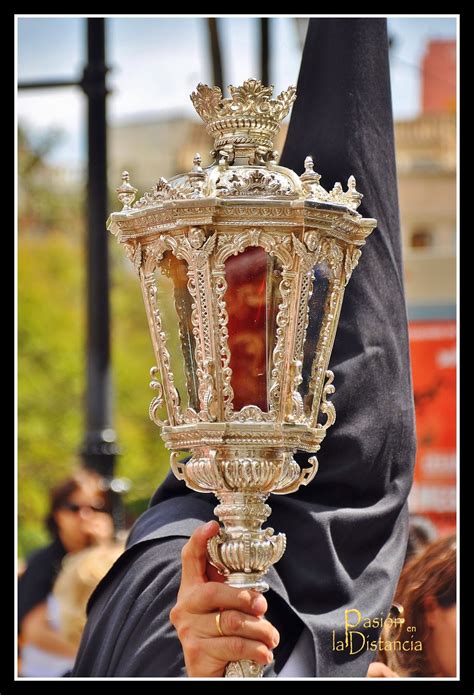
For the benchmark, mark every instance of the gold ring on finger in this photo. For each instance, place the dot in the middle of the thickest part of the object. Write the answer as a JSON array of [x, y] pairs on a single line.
[[218, 624]]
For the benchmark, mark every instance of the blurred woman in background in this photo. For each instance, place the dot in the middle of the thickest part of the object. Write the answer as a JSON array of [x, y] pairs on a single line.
[[79, 517], [426, 596]]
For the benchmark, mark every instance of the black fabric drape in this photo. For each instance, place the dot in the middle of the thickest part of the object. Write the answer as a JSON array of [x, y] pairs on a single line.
[[347, 530]]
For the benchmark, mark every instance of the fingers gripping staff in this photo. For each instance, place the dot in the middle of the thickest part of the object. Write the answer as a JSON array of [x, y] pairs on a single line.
[[217, 623]]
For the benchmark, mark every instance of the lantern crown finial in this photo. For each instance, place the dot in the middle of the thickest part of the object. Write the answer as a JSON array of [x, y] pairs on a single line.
[[126, 192], [248, 119]]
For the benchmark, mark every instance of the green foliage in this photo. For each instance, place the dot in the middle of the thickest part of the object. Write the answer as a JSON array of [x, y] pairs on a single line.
[[47, 203], [50, 367], [31, 536], [51, 354]]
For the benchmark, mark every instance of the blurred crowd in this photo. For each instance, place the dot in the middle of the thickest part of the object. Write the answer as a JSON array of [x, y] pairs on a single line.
[[56, 581]]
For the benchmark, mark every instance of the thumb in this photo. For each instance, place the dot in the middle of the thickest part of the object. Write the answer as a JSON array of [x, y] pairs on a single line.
[[194, 554]]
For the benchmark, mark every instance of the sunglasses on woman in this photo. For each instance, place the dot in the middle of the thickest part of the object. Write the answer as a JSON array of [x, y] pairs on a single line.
[[75, 508]]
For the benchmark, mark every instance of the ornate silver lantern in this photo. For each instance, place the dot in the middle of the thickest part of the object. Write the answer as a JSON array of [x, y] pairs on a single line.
[[243, 266]]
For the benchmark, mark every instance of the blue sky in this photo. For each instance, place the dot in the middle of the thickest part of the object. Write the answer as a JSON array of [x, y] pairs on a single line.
[[157, 61]]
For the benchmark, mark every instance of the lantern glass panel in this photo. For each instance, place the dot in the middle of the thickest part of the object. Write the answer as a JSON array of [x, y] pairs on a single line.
[[317, 306], [274, 298], [175, 304], [252, 300]]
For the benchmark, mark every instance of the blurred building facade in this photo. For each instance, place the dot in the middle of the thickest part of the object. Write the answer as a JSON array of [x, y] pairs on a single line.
[[439, 77], [426, 162], [157, 147]]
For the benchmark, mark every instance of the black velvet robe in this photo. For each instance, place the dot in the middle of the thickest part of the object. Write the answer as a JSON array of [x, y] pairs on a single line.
[[347, 530]]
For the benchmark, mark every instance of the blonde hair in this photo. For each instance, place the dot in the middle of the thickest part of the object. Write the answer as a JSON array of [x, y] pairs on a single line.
[[80, 573]]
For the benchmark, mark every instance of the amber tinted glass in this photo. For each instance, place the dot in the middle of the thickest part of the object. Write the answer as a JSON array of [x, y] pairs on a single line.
[[252, 300]]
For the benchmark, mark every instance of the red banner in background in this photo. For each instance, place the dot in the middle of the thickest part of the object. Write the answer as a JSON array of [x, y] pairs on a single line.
[[433, 358]]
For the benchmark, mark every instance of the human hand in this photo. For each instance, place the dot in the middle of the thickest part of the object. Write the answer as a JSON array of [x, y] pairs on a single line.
[[98, 526], [201, 596], [379, 670]]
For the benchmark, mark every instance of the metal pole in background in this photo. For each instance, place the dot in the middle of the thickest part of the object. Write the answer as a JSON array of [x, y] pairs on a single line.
[[215, 50], [264, 50], [99, 447]]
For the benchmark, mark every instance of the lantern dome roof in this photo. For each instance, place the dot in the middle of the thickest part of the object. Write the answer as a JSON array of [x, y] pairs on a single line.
[[245, 163], [249, 120]]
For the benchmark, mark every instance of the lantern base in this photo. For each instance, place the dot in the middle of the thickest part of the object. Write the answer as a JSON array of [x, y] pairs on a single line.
[[242, 480], [252, 580], [243, 552]]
